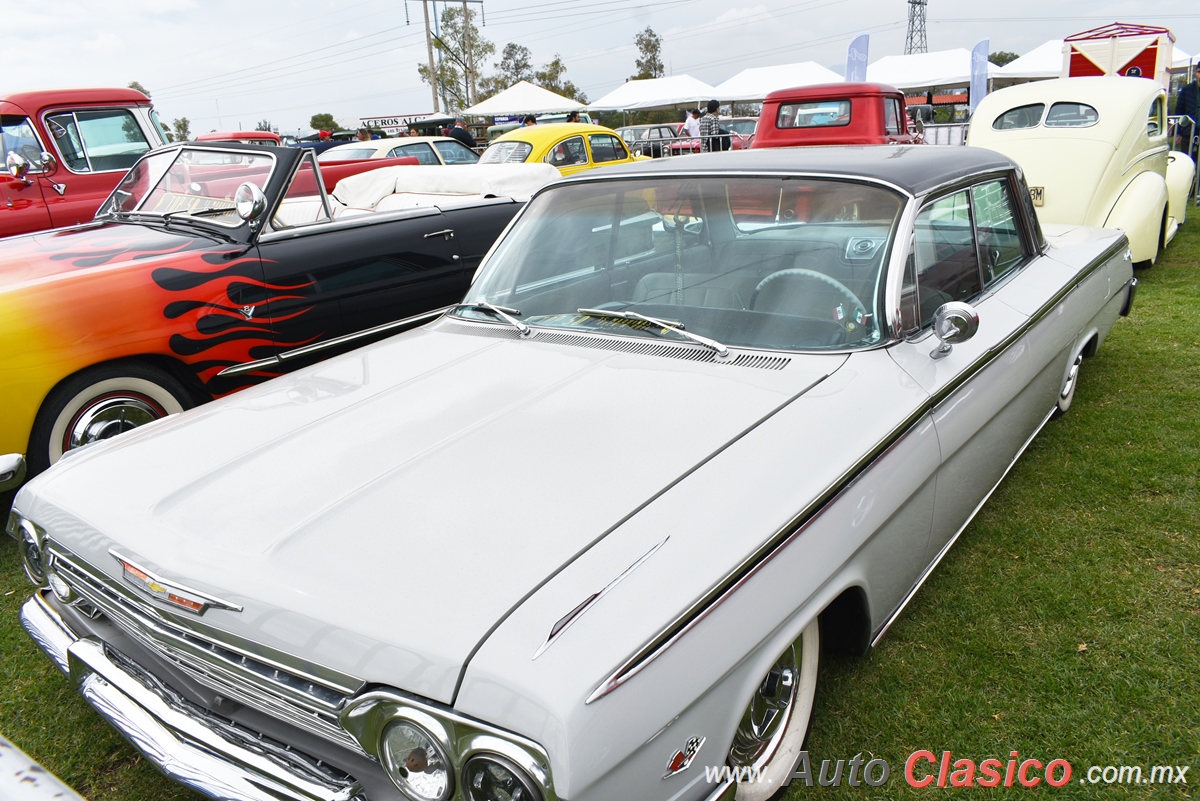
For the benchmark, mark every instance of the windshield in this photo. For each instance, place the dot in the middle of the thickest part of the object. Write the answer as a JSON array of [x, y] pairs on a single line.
[[781, 263], [187, 181]]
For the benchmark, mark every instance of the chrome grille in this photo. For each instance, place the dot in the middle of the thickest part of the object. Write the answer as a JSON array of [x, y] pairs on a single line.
[[303, 700]]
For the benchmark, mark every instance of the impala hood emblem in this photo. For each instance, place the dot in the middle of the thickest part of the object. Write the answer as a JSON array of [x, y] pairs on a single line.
[[170, 592]]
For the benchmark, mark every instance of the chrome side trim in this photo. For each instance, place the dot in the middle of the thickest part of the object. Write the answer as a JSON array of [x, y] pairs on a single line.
[[946, 548], [701, 608], [275, 361], [784, 536], [566, 622]]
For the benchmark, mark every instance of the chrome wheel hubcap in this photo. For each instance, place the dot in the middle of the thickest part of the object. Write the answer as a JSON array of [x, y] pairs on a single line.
[[767, 716], [111, 415]]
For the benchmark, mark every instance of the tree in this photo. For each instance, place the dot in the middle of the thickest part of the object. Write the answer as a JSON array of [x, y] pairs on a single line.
[[1002, 57], [182, 128], [322, 122], [515, 65], [263, 125], [139, 87], [455, 81], [649, 63], [550, 77]]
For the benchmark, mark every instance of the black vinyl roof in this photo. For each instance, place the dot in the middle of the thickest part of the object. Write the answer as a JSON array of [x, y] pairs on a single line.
[[914, 168]]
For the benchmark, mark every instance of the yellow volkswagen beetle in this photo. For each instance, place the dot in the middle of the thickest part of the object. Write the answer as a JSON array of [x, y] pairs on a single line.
[[570, 146]]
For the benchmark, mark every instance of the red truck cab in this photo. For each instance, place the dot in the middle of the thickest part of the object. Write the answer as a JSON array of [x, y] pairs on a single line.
[[834, 114], [92, 137]]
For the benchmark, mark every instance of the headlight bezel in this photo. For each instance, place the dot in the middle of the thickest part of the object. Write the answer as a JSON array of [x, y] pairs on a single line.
[[31, 540], [429, 728], [461, 738]]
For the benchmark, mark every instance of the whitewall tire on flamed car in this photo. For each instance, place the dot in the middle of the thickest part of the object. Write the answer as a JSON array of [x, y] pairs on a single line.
[[99, 403], [775, 723]]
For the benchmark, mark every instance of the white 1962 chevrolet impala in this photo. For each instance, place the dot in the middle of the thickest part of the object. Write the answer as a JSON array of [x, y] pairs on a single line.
[[588, 532]]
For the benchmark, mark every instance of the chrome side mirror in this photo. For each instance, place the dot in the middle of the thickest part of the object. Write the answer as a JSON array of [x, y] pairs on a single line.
[[953, 322], [49, 163], [249, 201], [18, 167]]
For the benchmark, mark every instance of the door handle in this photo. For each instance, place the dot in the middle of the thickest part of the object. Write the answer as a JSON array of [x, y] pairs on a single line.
[[448, 233]]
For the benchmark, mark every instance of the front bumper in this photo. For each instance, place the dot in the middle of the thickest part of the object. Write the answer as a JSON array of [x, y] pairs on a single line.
[[218, 760]]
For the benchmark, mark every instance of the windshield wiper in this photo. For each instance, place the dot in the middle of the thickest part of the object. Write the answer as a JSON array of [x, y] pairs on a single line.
[[669, 325], [211, 211], [503, 312]]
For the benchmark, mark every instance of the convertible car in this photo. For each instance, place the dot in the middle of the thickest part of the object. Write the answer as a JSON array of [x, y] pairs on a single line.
[[1096, 151], [587, 533], [215, 266]]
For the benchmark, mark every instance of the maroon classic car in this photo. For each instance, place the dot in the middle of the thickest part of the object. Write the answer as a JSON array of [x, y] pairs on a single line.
[[834, 114], [65, 149]]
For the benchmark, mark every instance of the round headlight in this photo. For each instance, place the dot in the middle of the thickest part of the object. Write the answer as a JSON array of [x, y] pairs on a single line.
[[31, 554], [415, 762], [61, 589], [489, 777]]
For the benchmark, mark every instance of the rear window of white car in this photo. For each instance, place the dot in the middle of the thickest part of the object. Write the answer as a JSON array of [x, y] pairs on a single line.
[[1071, 115], [1020, 117]]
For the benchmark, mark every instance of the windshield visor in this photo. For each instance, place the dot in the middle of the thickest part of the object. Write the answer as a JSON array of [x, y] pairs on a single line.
[[778, 263]]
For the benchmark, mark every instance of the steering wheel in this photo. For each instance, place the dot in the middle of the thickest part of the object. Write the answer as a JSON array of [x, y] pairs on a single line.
[[849, 320]]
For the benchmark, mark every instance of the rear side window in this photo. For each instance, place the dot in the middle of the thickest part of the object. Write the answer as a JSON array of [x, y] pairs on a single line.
[[821, 114], [567, 153], [892, 116], [1000, 245], [506, 153], [421, 151], [606, 147], [1071, 115], [97, 141], [1020, 117]]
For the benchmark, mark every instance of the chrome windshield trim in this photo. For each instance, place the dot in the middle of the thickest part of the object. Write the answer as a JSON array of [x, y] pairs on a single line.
[[722, 589]]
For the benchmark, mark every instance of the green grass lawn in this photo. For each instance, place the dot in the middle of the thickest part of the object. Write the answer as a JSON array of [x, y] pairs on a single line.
[[1065, 624]]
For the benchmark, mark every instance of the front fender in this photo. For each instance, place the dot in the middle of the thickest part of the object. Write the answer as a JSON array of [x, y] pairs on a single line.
[[1139, 213], [1181, 174]]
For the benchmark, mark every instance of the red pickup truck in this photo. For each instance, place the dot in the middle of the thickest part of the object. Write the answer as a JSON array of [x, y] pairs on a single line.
[[834, 114], [65, 150]]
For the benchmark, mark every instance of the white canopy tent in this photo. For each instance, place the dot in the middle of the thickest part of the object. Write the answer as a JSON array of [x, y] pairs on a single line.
[[756, 83], [944, 68], [1044, 61], [524, 98], [677, 90]]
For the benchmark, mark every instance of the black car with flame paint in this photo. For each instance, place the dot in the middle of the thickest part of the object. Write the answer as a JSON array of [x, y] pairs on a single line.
[[214, 267]]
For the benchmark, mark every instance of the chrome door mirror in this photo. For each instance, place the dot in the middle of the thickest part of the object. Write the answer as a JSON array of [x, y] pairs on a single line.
[[18, 167], [953, 322], [49, 163], [249, 201]]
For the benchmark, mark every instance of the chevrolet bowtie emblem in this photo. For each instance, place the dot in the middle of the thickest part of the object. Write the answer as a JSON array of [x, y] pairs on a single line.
[[168, 591]]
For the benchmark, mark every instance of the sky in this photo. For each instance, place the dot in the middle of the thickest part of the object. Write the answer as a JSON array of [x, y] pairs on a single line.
[[227, 65]]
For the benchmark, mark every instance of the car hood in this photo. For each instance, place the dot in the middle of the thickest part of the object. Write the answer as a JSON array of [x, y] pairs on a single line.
[[381, 513], [47, 254]]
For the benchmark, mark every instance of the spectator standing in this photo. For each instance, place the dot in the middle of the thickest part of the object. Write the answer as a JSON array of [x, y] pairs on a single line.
[[572, 116], [364, 135], [710, 127], [529, 120], [691, 125], [460, 132], [1188, 104]]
